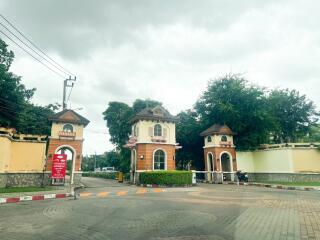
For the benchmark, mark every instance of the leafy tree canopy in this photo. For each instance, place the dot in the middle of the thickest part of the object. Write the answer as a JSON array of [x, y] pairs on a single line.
[[292, 114], [15, 108], [233, 101]]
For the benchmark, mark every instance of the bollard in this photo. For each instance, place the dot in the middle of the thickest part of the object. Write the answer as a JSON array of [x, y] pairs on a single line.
[[120, 177]]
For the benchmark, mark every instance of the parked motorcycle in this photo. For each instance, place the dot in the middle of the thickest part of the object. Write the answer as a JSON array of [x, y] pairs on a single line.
[[242, 176]]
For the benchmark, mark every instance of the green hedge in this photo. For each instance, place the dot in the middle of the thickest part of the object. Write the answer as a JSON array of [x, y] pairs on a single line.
[[106, 175], [166, 178]]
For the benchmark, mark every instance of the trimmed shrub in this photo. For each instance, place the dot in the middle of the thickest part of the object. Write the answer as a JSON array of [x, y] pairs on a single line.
[[172, 178], [106, 175]]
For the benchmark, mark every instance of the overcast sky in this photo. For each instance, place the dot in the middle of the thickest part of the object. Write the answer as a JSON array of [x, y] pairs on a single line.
[[163, 49]]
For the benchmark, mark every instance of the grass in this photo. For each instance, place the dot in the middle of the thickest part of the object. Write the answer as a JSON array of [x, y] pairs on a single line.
[[25, 189], [314, 184]]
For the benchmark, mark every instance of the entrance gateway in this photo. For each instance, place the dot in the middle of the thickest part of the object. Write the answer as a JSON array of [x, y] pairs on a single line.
[[219, 152], [67, 138]]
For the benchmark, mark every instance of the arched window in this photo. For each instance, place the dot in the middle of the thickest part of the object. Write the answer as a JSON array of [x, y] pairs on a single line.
[[209, 139], [157, 130], [224, 138], [67, 128], [159, 160]]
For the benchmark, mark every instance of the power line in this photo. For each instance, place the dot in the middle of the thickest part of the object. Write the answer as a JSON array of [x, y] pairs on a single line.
[[35, 46], [70, 92], [31, 48], [32, 55]]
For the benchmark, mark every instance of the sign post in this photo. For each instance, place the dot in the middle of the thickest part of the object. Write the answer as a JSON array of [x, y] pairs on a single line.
[[59, 165]]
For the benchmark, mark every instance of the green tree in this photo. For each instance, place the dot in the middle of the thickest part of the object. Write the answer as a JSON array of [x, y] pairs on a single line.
[[293, 115], [187, 132], [140, 104], [16, 110], [33, 119], [13, 94], [118, 115], [233, 101]]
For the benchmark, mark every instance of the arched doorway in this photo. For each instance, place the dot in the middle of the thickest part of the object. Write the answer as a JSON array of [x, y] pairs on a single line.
[[70, 152], [226, 165]]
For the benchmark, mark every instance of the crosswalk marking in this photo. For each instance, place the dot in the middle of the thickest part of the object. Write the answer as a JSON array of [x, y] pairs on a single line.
[[122, 193], [85, 194], [157, 190], [103, 194], [141, 191]]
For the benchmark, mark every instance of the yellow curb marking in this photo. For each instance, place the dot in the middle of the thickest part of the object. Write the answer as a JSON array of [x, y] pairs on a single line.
[[103, 194], [157, 190], [85, 194], [122, 193], [141, 191]]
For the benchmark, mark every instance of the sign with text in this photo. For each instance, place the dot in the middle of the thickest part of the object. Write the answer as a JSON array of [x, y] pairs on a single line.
[[59, 165]]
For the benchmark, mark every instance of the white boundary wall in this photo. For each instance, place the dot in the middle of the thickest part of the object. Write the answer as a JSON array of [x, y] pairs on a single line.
[[280, 160]]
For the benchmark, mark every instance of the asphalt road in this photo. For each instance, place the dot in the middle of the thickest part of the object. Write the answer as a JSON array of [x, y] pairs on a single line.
[[109, 210]]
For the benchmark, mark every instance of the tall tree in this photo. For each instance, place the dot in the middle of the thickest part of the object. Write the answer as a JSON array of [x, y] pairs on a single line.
[[117, 116], [16, 110], [293, 115], [140, 104], [33, 119], [13, 94], [231, 100], [187, 132]]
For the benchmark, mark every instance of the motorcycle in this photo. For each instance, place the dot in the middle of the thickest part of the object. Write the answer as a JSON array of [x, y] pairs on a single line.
[[242, 176]]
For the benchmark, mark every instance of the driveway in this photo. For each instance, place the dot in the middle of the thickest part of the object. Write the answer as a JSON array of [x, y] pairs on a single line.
[[109, 210]]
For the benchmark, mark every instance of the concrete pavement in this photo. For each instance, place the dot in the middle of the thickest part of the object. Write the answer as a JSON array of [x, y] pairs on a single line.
[[203, 212]]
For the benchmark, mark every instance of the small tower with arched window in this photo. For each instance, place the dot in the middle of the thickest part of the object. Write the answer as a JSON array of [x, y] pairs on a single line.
[[152, 141], [67, 138], [219, 150]]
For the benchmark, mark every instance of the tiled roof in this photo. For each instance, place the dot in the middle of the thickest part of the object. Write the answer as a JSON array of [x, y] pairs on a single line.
[[217, 129], [156, 113], [69, 116]]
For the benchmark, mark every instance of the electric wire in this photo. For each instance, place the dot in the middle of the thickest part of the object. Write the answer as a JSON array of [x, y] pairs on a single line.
[[36, 47], [32, 55], [31, 48]]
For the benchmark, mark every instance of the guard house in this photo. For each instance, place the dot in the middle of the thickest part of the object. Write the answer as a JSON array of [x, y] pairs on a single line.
[[219, 151], [153, 141], [67, 138]]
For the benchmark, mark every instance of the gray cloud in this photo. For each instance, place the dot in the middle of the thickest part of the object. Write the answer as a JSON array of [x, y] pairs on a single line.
[[164, 50]]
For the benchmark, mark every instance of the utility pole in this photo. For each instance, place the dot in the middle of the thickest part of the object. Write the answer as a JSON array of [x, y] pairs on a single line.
[[69, 82]]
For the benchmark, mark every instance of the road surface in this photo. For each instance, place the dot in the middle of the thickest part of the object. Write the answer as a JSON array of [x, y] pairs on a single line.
[[110, 210]]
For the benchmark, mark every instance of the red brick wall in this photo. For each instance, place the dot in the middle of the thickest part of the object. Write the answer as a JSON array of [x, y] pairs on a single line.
[[56, 143], [216, 151], [147, 151]]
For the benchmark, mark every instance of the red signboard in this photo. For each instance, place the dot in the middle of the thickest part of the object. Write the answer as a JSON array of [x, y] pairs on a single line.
[[59, 165]]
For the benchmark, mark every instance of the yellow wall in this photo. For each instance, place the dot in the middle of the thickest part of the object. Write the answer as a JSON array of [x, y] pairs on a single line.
[[57, 127], [5, 153], [306, 160], [143, 131], [287, 160], [21, 156]]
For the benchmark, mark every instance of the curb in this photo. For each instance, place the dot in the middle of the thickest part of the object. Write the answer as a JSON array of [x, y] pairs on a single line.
[[34, 198], [274, 186]]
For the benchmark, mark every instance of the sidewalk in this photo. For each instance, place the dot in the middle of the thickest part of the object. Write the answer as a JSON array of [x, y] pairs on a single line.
[[277, 186]]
